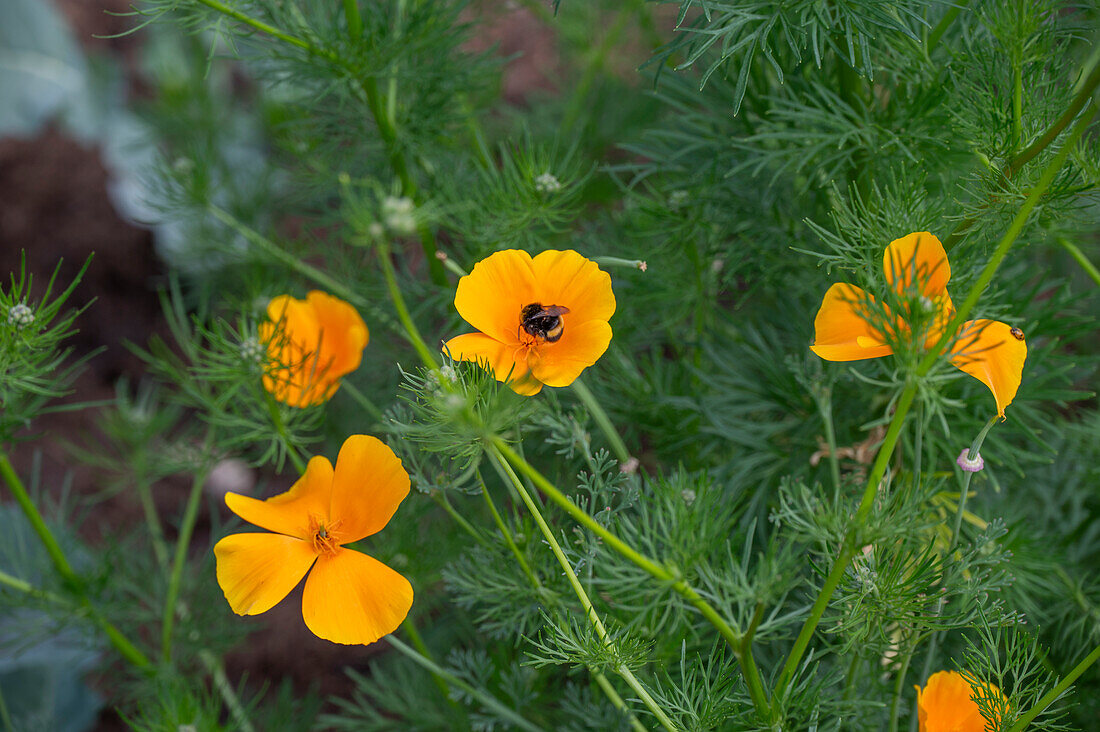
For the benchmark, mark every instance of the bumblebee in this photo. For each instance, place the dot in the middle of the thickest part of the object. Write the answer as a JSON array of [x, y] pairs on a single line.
[[1017, 334], [543, 321]]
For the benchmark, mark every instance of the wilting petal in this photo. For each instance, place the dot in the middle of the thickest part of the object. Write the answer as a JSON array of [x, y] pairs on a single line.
[[566, 278], [256, 571], [988, 351], [917, 260], [368, 486], [491, 297], [946, 704], [289, 513], [352, 598], [507, 361], [841, 329], [581, 345]]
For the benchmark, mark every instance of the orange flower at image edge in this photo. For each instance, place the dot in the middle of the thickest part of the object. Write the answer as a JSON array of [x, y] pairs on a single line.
[[348, 597], [946, 704], [847, 325], [543, 319], [312, 344]]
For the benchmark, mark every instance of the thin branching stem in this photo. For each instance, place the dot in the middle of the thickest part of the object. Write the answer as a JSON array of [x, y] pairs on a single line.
[[1081, 259], [121, 644], [216, 670], [402, 309], [602, 420], [589, 610], [905, 401], [1052, 695]]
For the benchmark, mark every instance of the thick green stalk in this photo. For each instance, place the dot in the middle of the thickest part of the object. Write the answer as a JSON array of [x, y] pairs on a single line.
[[589, 610], [125, 648], [733, 637], [183, 543], [1049, 698], [602, 421]]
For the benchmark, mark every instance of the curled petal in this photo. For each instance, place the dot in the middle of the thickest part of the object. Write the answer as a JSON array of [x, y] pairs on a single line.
[[312, 344], [491, 297], [843, 329], [508, 362], [351, 598], [289, 513], [581, 345], [568, 279], [368, 486], [989, 351], [256, 571], [917, 261]]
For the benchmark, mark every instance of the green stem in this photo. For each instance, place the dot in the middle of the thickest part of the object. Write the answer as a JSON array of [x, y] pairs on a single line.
[[507, 535], [1056, 692], [27, 588], [362, 400], [422, 648], [403, 315], [899, 683], [269, 30], [1078, 255], [355, 20], [280, 429], [825, 406], [616, 700], [221, 683], [733, 637], [127, 649], [602, 421], [489, 701], [152, 520], [183, 543], [595, 63], [589, 610], [619, 262], [945, 23], [1017, 103], [443, 503]]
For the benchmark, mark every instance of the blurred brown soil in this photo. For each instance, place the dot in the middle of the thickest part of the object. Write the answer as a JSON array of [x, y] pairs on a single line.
[[54, 207]]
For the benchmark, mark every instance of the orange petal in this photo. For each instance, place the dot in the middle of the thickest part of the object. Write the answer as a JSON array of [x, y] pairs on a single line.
[[946, 704], [988, 351], [581, 345], [256, 571], [508, 362], [352, 598], [312, 343], [841, 329], [917, 260], [368, 486], [289, 513], [568, 279], [491, 297]]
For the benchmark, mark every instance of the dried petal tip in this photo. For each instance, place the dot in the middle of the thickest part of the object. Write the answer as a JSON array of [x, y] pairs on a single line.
[[970, 466], [630, 467]]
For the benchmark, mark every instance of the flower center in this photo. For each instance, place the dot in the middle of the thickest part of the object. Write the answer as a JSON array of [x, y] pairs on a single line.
[[542, 322], [324, 538]]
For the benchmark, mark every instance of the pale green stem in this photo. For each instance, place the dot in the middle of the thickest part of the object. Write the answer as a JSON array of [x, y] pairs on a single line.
[[905, 400], [595, 63], [280, 429], [269, 30], [1078, 255], [183, 543], [616, 700], [899, 684], [221, 683], [1049, 698], [1017, 102], [152, 519], [27, 588], [618, 262], [590, 611], [602, 420], [443, 503], [452, 265], [422, 648], [362, 400], [945, 23], [734, 638], [825, 406], [403, 315], [127, 649], [507, 535], [489, 701]]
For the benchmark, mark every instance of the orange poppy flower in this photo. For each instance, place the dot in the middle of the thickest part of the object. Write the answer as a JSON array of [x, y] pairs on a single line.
[[312, 344], [851, 325], [543, 319], [348, 597], [946, 704]]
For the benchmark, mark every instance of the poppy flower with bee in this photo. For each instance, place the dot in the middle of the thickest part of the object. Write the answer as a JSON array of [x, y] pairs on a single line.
[[542, 320]]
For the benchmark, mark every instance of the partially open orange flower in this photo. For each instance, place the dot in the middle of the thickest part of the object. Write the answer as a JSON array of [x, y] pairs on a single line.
[[852, 325], [543, 320], [348, 597], [946, 704], [312, 344]]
